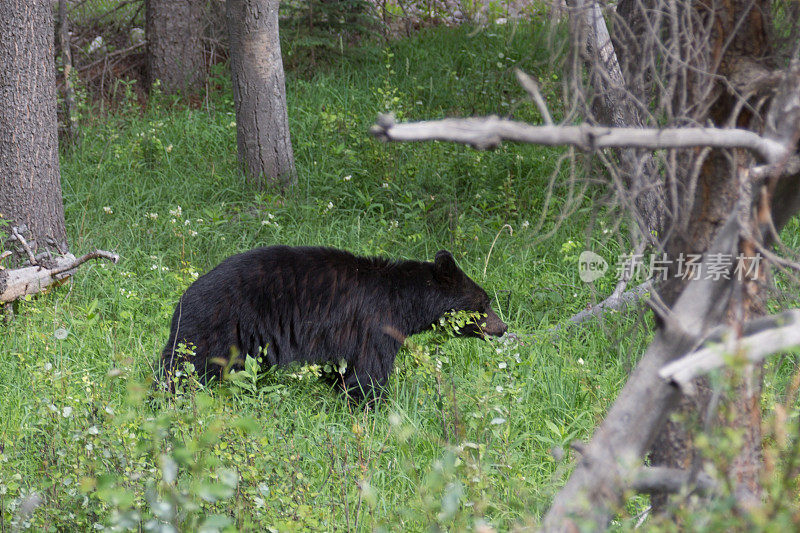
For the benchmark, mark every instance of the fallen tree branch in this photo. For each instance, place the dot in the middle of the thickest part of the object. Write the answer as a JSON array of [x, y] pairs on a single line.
[[20, 282], [615, 302], [782, 333], [489, 132], [618, 299], [661, 479]]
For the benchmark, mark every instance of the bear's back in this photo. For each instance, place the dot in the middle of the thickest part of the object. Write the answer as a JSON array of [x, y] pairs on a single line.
[[301, 303]]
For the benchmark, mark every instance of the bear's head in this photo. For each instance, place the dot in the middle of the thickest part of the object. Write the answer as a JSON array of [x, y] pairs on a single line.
[[463, 294]]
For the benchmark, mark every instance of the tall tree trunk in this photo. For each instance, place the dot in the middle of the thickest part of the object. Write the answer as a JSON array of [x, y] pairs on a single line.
[[259, 93], [737, 50], [612, 105], [174, 47], [30, 181]]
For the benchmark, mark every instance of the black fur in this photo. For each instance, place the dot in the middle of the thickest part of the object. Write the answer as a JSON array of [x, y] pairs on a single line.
[[319, 305]]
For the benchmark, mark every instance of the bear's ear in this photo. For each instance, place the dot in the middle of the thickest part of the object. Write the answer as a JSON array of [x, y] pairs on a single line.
[[444, 266]]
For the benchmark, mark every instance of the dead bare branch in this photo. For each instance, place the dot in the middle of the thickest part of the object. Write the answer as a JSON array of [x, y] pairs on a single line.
[[781, 169], [97, 254], [112, 54], [489, 132]]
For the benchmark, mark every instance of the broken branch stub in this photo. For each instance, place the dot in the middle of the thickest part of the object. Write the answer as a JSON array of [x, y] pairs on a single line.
[[782, 332]]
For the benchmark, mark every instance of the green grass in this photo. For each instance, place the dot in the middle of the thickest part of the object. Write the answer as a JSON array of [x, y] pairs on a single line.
[[466, 432]]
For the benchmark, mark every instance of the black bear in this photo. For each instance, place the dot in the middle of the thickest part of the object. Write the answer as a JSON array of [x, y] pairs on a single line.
[[315, 305]]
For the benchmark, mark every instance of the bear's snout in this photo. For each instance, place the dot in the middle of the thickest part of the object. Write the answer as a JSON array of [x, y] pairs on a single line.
[[494, 326]]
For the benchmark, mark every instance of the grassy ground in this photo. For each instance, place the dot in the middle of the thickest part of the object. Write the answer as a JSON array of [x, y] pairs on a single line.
[[466, 434]]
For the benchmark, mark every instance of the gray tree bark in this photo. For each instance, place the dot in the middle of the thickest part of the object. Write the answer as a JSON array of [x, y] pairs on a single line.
[[174, 47], [259, 93], [612, 105], [30, 178]]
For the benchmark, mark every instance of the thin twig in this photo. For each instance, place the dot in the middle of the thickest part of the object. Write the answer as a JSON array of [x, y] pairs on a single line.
[[486, 263], [105, 14], [24, 244], [532, 88], [112, 54]]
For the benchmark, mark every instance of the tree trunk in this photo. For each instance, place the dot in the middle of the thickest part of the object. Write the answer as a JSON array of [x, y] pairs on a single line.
[[738, 51], [612, 105], [259, 93], [30, 181], [174, 47]]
